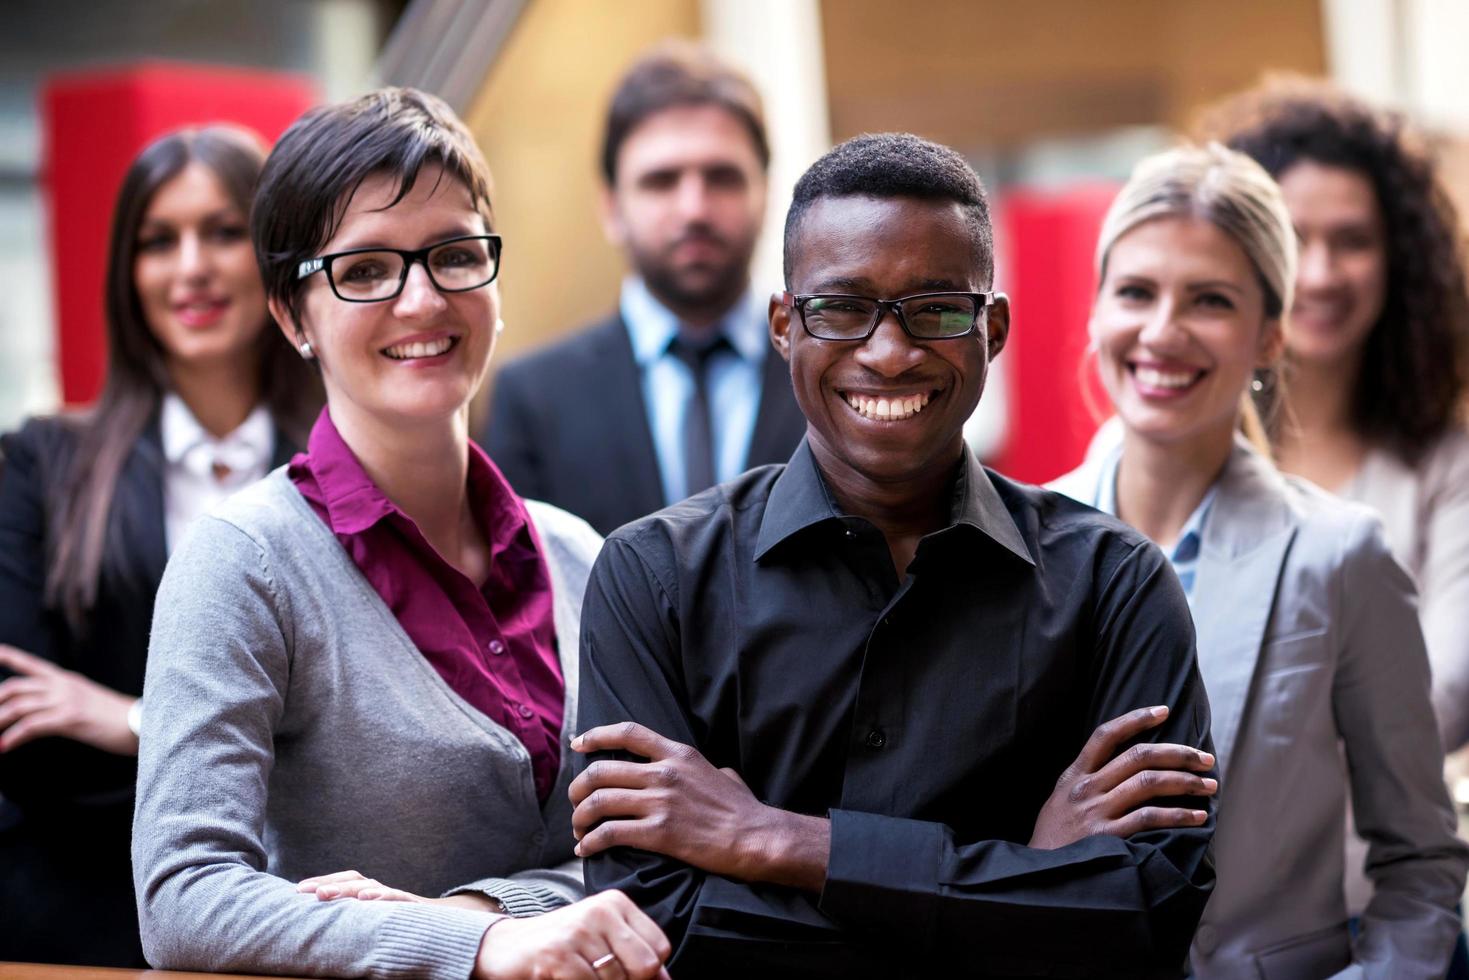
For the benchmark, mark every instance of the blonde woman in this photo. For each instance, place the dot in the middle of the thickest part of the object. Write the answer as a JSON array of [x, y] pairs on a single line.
[[1308, 638]]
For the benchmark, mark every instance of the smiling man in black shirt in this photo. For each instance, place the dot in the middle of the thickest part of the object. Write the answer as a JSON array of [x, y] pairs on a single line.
[[835, 696]]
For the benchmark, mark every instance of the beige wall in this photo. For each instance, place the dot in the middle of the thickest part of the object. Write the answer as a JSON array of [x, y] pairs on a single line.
[[997, 73], [539, 120], [977, 74]]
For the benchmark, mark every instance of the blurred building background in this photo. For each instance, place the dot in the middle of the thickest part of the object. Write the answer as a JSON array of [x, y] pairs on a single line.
[[1052, 100]]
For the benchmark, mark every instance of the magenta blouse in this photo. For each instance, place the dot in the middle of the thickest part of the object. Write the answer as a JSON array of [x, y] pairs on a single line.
[[494, 645]]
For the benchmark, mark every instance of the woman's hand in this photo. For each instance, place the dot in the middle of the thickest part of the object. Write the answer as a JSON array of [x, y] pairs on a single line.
[[1099, 794], [45, 700], [605, 937], [354, 884]]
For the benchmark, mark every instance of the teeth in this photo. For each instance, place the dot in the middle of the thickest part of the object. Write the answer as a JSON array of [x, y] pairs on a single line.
[[887, 409], [1154, 378], [1329, 312], [430, 348]]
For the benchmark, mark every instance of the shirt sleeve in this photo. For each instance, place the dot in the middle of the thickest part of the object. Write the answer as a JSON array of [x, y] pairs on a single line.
[[533, 892], [1445, 595], [218, 674], [901, 890], [22, 548], [1381, 700]]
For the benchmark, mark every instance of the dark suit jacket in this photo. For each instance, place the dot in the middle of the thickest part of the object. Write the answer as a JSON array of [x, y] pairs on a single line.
[[568, 425], [65, 878]]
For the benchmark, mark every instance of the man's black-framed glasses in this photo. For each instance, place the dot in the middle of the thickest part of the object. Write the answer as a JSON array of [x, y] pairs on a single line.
[[923, 316], [371, 275]]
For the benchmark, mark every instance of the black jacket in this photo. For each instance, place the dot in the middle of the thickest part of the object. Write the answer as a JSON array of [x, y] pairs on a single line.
[[568, 426], [66, 812]]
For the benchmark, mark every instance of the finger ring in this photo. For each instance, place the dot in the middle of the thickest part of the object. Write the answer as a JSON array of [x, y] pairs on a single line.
[[602, 961]]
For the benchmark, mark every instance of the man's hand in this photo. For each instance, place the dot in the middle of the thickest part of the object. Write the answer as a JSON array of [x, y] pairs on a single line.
[[605, 937], [1099, 794], [45, 700], [679, 805]]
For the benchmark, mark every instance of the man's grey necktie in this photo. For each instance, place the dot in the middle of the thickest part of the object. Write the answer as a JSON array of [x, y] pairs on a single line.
[[698, 436]]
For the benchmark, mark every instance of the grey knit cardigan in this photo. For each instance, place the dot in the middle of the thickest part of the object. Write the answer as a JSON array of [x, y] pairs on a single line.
[[291, 728]]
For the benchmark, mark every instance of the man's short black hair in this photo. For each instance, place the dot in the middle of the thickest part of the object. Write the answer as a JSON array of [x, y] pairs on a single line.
[[894, 165]]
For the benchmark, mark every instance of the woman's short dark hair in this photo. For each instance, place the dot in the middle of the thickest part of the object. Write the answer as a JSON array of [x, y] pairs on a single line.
[[680, 73], [321, 161], [1415, 365]]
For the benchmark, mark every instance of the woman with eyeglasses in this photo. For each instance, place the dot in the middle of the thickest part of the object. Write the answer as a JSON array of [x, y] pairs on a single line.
[[201, 398], [1308, 640], [363, 670]]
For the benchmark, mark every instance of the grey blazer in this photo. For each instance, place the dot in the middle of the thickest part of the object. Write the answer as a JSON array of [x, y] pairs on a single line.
[[1309, 645]]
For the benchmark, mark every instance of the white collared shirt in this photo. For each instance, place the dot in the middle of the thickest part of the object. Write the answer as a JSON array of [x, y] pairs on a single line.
[[1184, 556], [190, 485], [734, 383]]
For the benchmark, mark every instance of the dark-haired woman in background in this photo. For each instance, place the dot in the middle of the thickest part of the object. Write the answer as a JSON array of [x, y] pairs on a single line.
[[1379, 346], [200, 399]]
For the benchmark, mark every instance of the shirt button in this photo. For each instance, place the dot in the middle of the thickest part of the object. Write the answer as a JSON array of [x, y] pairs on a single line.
[[497, 648], [877, 738], [525, 710], [851, 533]]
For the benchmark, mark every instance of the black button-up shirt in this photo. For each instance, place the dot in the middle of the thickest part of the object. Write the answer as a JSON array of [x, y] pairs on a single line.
[[929, 718]]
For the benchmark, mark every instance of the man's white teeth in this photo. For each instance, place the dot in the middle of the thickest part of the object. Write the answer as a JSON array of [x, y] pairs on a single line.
[[887, 409], [423, 348], [1154, 378]]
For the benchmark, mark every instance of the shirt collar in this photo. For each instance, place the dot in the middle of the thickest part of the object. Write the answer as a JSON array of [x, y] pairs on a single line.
[[651, 325], [354, 503], [249, 445], [800, 499], [1189, 538]]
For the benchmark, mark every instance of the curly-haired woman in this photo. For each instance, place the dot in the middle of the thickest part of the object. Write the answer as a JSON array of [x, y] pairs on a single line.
[[1378, 354], [1379, 346]]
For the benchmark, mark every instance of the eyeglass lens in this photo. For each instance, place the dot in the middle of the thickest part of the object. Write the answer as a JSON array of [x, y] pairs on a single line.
[[852, 317], [453, 266]]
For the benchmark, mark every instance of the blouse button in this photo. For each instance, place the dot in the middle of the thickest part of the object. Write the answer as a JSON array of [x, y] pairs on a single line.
[[525, 711], [497, 648], [877, 738]]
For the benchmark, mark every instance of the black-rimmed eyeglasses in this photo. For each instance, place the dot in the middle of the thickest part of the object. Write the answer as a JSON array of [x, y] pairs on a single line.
[[923, 316], [371, 275]]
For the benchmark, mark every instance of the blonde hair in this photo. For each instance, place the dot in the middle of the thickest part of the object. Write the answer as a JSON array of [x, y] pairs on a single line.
[[1235, 194]]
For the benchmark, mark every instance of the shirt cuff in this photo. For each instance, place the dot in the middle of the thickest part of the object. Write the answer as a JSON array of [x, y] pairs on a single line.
[[884, 870], [519, 898], [431, 941]]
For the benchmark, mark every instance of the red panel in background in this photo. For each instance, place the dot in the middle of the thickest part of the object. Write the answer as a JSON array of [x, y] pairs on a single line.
[[93, 124], [1050, 237]]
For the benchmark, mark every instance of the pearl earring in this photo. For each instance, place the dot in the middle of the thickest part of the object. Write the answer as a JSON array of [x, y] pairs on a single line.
[[499, 327], [1257, 385], [305, 348]]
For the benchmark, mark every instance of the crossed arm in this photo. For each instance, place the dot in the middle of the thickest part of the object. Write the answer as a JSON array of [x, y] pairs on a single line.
[[679, 805], [737, 883]]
